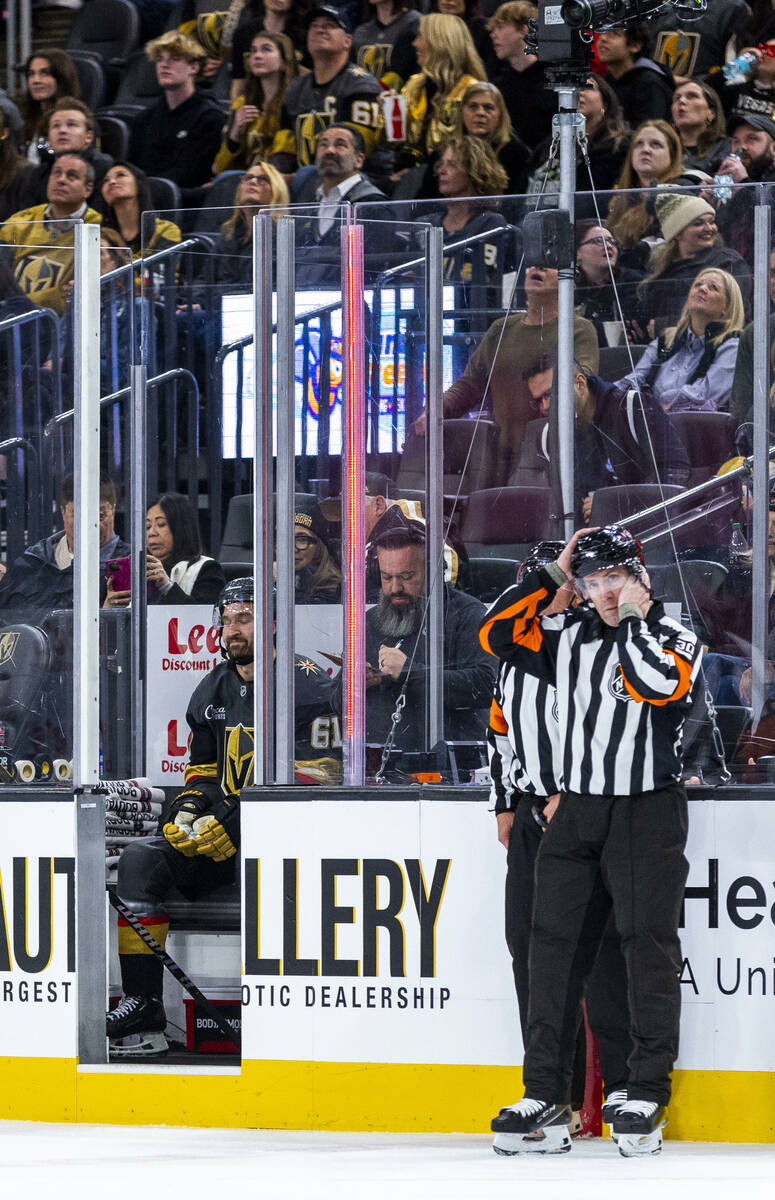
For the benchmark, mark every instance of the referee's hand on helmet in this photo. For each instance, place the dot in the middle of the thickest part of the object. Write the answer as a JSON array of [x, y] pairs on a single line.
[[637, 591], [565, 556]]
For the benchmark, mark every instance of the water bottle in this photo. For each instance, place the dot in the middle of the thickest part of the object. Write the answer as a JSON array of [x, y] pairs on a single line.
[[738, 70], [738, 548]]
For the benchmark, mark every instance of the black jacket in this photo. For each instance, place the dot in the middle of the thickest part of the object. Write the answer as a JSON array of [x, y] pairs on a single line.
[[178, 143], [34, 584], [645, 91]]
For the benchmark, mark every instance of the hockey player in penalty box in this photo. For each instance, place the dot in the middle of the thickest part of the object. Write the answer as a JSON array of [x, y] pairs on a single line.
[[198, 851], [624, 674], [523, 743]]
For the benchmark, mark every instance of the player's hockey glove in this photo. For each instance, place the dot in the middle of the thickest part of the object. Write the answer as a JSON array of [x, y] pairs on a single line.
[[217, 832], [189, 805]]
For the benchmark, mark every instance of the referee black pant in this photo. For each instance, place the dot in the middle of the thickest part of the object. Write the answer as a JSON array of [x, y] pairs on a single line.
[[604, 853], [606, 990]]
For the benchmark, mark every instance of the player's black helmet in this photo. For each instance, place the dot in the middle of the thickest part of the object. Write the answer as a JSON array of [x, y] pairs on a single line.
[[611, 546], [236, 591], [541, 554]]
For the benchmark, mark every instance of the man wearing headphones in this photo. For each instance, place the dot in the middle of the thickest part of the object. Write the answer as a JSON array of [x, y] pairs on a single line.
[[396, 644], [198, 850]]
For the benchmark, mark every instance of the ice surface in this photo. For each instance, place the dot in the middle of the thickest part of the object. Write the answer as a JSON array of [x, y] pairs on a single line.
[[78, 1162]]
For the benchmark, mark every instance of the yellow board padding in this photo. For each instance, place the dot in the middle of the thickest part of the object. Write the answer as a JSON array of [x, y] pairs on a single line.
[[711, 1106]]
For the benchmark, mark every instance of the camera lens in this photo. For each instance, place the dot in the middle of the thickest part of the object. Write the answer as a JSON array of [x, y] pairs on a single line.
[[577, 13]]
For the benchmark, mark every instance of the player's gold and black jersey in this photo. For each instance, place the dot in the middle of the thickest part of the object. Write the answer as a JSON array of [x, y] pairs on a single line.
[[622, 693], [310, 107], [220, 717], [523, 738]]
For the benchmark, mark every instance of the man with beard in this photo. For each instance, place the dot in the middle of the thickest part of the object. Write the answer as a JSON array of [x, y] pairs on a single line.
[[751, 160], [396, 647], [198, 852]]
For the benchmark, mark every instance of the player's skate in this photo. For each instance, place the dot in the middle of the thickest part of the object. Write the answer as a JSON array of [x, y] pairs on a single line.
[[613, 1102], [637, 1127], [136, 1028], [518, 1127]]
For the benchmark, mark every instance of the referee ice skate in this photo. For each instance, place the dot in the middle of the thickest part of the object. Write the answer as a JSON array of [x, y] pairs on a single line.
[[624, 674], [198, 852]]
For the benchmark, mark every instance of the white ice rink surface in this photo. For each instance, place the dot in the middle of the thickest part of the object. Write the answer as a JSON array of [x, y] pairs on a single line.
[[89, 1161]]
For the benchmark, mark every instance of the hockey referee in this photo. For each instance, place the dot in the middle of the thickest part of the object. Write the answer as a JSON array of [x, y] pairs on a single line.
[[624, 674]]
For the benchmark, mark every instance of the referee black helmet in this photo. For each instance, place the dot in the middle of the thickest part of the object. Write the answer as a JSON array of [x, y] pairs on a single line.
[[541, 554], [611, 546]]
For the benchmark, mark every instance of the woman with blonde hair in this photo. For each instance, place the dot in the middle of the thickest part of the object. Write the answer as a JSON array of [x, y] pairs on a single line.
[[483, 114], [655, 156], [690, 367], [255, 114], [448, 64], [262, 185]]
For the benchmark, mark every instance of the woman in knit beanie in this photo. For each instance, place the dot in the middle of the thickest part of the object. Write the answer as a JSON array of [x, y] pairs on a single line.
[[691, 244]]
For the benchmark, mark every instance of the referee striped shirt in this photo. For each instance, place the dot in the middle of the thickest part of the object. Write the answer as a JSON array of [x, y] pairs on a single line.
[[523, 738], [622, 693]]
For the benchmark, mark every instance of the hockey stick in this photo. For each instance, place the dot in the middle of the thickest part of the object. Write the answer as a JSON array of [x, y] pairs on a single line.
[[173, 968]]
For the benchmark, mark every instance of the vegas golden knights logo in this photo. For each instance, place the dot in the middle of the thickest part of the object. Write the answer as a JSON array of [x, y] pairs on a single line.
[[309, 127], [678, 51], [237, 759], [375, 59], [8, 643], [36, 273]]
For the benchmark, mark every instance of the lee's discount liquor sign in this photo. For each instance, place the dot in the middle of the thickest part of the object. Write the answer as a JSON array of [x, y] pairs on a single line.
[[373, 932], [38, 1009]]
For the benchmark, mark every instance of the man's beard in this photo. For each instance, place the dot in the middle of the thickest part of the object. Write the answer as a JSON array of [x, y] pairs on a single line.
[[242, 659], [399, 620]]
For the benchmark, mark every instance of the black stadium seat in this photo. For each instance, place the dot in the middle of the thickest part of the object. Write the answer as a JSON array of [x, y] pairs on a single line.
[[109, 29], [510, 518], [114, 137], [91, 78], [138, 88]]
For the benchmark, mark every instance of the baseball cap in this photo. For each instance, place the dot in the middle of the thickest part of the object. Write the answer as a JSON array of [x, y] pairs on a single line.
[[757, 120], [328, 10], [377, 484]]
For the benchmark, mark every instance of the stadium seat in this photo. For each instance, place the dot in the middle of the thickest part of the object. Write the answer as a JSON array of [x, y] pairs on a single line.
[[615, 361], [114, 137], [709, 438], [486, 578], [613, 504], [109, 29], [511, 518], [237, 541], [165, 195], [91, 78], [470, 458], [138, 88]]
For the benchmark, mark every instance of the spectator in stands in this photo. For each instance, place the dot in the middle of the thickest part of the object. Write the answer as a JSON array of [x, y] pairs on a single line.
[[690, 367], [607, 141], [71, 128], [644, 87], [503, 354], [521, 77], [694, 44], [699, 121], [318, 577], [467, 169], [48, 75], [126, 196], [43, 235], [396, 646], [602, 285], [41, 579], [752, 160], [176, 570], [14, 173], [483, 114], [383, 42], [691, 243], [655, 156], [338, 178], [260, 186], [270, 16], [255, 114], [622, 437], [449, 64], [177, 136], [757, 91], [468, 11], [334, 91]]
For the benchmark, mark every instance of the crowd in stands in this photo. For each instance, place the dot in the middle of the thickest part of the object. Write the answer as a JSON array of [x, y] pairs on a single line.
[[287, 101]]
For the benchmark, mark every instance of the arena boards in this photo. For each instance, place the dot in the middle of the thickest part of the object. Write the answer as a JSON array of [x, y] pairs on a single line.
[[376, 989]]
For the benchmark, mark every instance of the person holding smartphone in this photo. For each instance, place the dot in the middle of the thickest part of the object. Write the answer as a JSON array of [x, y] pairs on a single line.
[[176, 570]]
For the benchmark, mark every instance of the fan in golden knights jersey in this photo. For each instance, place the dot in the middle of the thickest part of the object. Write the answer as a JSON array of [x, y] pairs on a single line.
[[526, 771], [333, 91], [625, 675], [198, 851]]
